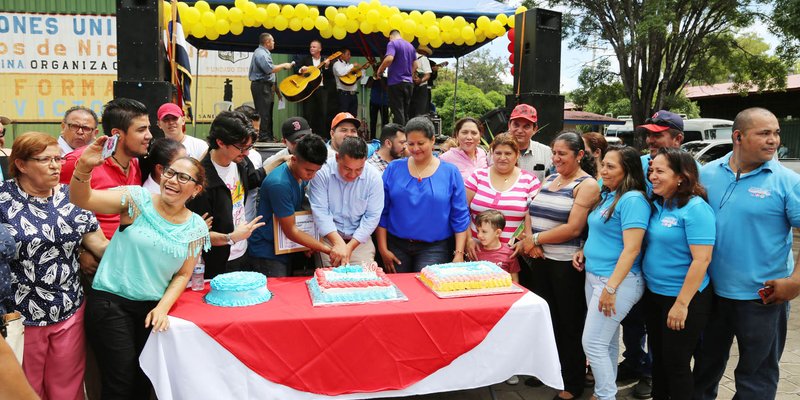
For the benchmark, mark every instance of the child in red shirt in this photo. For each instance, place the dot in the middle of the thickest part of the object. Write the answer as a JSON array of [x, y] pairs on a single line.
[[490, 224]]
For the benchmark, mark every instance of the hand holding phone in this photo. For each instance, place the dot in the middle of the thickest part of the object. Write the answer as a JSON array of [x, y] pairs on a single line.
[[110, 147], [765, 292]]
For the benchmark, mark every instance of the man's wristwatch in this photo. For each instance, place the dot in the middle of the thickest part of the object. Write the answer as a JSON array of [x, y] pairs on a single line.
[[230, 239], [610, 290]]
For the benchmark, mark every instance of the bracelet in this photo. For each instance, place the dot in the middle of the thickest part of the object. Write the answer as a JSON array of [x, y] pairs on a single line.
[[81, 172], [458, 252], [89, 179], [536, 239]]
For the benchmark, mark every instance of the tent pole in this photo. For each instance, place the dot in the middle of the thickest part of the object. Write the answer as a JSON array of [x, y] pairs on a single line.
[[196, 91], [455, 94]]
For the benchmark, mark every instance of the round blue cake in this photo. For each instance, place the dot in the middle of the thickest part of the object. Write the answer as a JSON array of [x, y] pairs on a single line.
[[238, 289]]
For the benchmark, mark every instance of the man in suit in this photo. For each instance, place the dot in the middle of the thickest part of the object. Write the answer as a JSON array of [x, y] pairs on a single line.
[[316, 107]]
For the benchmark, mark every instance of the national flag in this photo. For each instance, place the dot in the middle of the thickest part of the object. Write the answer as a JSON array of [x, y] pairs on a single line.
[[183, 73]]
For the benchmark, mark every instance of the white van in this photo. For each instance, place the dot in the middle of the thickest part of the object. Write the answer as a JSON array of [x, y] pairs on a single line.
[[706, 129]]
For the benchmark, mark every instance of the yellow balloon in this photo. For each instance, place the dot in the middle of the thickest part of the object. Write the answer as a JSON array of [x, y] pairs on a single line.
[[429, 17], [351, 26], [510, 22], [340, 19], [281, 23], [420, 32], [301, 10], [351, 12], [326, 34], [415, 15], [496, 27], [470, 41], [208, 19], [363, 8], [212, 35], [192, 16], [236, 28], [373, 16], [409, 26], [458, 40], [235, 14], [287, 11], [222, 27], [261, 15], [322, 23], [446, 23], [202, 6], [339, 33], [365, 27], [396, 21], [221, 12], [198, 30], [296, 24], [330, 13], [520, 9], [268, 23], [383, 26], [432, 33], [249, 8], [313, 13], [483, 22], [502, 18], [466, 32], [240, 3], [308, 24], [273, 10], [408, 36], [436, 43], [182, 7], [248, 20], [423, 40], [459, 22]]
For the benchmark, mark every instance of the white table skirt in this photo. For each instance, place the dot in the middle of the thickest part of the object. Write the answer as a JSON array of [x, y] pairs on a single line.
[[185, 363]]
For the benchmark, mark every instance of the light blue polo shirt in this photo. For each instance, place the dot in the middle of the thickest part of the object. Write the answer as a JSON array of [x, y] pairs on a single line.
[[754, 220], [604, 244], [669, 235]]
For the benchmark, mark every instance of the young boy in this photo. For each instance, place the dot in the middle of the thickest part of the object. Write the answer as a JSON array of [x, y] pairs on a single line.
[[490, 224]]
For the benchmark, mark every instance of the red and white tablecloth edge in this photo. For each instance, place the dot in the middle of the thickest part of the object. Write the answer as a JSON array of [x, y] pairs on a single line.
[[185, 363]]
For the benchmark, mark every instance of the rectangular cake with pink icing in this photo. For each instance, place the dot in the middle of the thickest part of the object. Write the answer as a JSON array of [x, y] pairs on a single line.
[[351, 283], [476, 275]]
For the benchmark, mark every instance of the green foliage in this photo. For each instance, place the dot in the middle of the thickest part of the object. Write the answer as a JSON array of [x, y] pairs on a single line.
[[497, 99], [471, 102], [786, 24], [482, 70]]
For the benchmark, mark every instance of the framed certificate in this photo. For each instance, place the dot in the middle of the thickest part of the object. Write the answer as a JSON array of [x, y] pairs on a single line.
[[304, 222]]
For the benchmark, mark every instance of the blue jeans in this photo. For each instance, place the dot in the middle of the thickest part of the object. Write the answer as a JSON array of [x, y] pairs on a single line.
[[415, 255], [760, 330], [601, 333], [637, 355]]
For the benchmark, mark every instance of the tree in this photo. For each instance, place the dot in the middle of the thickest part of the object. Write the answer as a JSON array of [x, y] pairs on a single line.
[[786, 24], [657, 43], [471, 102], [482, 70]]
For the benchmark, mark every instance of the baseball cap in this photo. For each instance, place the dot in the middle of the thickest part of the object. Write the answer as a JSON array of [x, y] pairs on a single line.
[[342, 117], [294, 128], [526, 112], [663, 120], [169, 109], [5, 120]]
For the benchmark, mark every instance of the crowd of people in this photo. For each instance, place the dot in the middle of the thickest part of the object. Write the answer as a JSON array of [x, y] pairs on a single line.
[[97, 249]]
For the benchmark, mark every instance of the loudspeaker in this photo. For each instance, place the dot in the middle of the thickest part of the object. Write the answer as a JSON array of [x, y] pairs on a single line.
[[537, 52], [140, 45], [152, 94], [494, 123], [549, 110]]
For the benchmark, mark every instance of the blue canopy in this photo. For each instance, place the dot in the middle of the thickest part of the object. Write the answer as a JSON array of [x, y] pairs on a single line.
[[374, 44]]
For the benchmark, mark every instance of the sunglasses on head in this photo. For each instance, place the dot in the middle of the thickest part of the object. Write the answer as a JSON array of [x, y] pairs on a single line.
[[662, 122]]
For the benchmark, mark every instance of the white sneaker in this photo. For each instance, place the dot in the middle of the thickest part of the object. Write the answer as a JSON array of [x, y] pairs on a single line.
[[513, 380]]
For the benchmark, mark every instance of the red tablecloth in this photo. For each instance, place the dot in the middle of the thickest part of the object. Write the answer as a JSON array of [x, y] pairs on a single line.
[[346, 349]]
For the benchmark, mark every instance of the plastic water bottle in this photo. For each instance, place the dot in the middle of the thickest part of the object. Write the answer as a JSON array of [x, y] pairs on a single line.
[[197, 281]]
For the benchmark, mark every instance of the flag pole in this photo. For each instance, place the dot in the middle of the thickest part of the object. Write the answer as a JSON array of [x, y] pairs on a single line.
[[172, 61]]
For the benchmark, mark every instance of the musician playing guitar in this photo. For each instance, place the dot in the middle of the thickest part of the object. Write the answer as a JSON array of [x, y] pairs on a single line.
[[348, 94], [318, 106]]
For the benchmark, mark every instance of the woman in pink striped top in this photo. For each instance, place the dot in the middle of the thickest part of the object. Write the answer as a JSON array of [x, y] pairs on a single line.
[[468, 156], [503, 187]]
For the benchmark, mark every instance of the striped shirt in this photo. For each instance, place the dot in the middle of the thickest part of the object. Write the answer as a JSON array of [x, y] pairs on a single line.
[[512, 203], [551, 209]]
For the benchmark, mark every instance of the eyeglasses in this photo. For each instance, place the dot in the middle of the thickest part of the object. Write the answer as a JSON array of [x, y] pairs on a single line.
[[47, 160], [662, 122], [243, 150], [80, 128], [182, 176]]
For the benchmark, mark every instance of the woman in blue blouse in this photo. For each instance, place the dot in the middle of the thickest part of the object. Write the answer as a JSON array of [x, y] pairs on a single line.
[[49, 232], [425, 207], [145, 268], [614, 281], [680, 240]]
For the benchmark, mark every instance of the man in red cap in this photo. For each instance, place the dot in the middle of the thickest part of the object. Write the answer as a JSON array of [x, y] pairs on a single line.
[[535, 157], [172, 121], [343, 125]]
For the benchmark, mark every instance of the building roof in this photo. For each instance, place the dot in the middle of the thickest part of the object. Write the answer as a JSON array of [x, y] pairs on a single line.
[[727, 89], [588, 118]]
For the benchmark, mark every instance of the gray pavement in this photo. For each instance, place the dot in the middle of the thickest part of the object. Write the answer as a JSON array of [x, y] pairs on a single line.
[[788, 388]]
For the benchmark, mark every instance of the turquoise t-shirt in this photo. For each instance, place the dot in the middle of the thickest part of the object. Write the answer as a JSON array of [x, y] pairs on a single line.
[[604, 244], [141, 258], [668, 237]]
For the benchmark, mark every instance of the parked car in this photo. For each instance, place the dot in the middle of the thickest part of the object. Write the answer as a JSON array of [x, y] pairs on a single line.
[[708, 150], [706, 129]]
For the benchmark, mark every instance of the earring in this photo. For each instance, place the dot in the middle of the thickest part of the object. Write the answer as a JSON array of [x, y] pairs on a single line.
[[680, 182]]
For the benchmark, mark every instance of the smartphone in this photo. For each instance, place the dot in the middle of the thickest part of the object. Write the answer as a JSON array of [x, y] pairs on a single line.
[[110, 147], [765, 292], [515, 236]]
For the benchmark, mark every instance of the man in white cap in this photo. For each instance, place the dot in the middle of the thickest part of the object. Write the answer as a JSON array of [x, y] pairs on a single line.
[[172, 122]]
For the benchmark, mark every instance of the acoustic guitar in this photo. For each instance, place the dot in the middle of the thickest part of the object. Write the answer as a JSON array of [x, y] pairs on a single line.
[[355, 74], [298, 87]]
